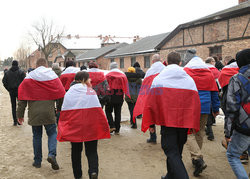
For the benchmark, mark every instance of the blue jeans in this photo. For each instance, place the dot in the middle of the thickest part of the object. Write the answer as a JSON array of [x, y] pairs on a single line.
[[37, 141], [236, 147]]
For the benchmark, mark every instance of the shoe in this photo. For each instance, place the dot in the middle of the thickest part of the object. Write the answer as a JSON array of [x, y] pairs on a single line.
[[163, 177], [244, 158], [199, 165], [93, 176], [117, 133], [15, 124], [52, 161], [150, 140], [134, 126], [112, 130], [36, 165], [210, 137]]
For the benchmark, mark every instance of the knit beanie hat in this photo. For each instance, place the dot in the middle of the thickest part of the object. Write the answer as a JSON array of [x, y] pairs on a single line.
[[131, 70], [243, 58]]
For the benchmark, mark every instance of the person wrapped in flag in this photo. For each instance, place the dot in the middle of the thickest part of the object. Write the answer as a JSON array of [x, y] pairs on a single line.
[[39, 90], [118, 84], [208, 92], [82, 120], [152, 72], [173, 103], [68, 74], [99, 83]]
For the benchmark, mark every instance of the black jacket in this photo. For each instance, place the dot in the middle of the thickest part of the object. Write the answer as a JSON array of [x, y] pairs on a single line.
[[134, 81], [13, 78], [139, 71]]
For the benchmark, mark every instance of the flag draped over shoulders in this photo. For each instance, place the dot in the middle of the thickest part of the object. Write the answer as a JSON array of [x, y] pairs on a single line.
[[118, 80], [201, 74], [173, 101], [227, 72], [214, 71], [82, 118], [96, 76], [41, 84], [152, 72], [68, 76]]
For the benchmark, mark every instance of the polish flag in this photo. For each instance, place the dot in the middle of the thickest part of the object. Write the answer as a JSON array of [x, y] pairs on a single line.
[[227, 72], [152, 72], [118, 80], [214, 70], [82, 118], [96, 76], [68, 76], [203, 77], [41, 84], [173, 101]]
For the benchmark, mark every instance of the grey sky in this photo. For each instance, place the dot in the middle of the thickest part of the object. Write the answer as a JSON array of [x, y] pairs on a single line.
[[95, 17]]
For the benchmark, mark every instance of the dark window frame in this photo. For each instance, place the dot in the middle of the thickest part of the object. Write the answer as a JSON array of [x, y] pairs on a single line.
[[147, 61], [122, 62], [133, 60]]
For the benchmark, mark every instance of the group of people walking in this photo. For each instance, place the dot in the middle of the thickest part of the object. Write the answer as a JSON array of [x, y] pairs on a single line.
[[181, 97]]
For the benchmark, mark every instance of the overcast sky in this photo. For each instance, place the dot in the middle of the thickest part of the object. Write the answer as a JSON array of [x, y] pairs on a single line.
[[95, 17]]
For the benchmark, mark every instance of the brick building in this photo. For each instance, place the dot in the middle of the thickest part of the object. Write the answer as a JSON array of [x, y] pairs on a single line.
[[220, 34], [140, 51], [98, 55]]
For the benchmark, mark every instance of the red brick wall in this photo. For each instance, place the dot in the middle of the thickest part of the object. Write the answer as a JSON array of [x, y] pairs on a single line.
[[213, 34]]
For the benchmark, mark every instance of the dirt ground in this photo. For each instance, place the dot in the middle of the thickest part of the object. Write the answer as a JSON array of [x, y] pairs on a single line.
[[124, 156]]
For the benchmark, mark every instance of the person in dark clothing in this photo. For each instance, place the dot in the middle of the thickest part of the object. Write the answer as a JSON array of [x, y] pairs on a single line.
[[5, 70], [134, 81], [11, 81], [138, 69]]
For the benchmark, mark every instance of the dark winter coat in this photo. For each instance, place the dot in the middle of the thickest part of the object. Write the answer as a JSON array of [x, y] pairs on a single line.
[[139, 71], [134, 81], [13, 78]]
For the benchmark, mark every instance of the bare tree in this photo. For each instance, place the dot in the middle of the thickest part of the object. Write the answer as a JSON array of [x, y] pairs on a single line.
[[21, 54], [45, 35]]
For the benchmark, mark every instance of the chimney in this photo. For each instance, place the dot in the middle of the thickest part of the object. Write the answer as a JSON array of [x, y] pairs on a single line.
[[241, 1]]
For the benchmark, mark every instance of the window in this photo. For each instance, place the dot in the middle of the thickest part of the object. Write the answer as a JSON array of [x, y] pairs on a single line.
[[121, 62], [146, 61], [112, 60], [133, 60], [215, 51]]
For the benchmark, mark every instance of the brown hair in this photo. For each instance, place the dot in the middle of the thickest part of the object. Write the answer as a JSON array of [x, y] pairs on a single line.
[[41, 62], [209, 59], [174, 58], [82, 76]]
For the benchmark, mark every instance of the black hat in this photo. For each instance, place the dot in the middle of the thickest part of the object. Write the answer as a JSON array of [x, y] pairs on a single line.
[[243, 58], [136, 65], [14, 63]]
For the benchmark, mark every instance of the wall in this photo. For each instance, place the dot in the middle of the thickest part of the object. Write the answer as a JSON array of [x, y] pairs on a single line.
[[232, 34]]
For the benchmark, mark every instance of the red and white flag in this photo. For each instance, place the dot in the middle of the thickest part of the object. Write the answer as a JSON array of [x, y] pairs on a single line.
[[68, 75], [97, 76], [201, 74], [152, 72], [227, 72], [82, 118], [173, 101], [214, 70], [118, 80], [41, 84]]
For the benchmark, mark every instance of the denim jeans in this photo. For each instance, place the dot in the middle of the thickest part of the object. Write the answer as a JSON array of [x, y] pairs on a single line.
[[236, 147], [37, 141]]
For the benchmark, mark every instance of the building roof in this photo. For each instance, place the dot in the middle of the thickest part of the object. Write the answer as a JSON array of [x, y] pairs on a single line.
[[76, 52], [144, 45], [94, 54], [238, 10]]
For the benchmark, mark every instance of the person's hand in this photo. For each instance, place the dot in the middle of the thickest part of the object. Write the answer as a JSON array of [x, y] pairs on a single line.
[[215, 114], [228, 139], [20, 121]]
